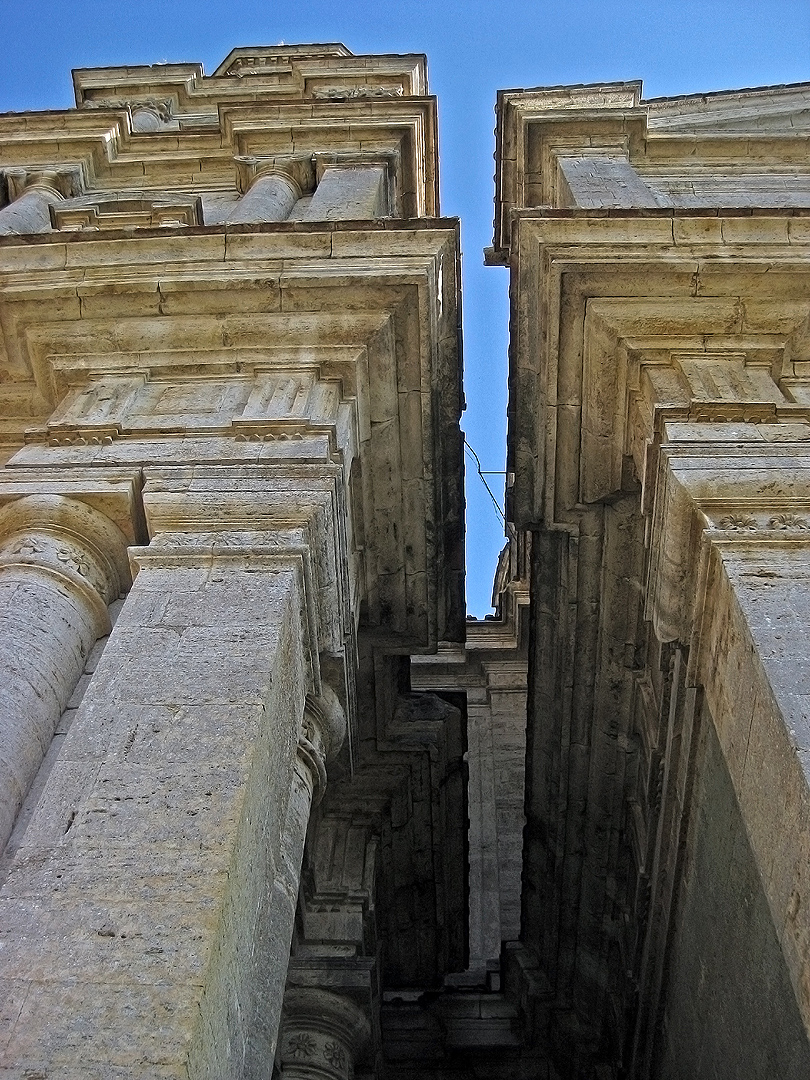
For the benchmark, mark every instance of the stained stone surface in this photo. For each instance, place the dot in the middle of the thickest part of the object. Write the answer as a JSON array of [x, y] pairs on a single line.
[[135, 855], [265, 410], [567, 842], [731, 1010], [658, 434]]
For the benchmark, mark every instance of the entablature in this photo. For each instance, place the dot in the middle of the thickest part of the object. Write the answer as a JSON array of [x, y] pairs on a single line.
[[171, 129], [289, 343]]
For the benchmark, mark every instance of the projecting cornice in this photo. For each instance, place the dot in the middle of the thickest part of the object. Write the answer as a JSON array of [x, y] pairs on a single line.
[[620, 320], [170, 129], [604, 147], [280, 71]]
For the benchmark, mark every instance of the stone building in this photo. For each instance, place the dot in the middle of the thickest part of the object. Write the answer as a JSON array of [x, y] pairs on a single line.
[[270, 806]]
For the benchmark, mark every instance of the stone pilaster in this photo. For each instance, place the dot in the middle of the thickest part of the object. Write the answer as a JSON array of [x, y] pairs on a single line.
[[324, 1035], [602, 181], [349, 190], [178, 810], [729, 588], [61, 564]]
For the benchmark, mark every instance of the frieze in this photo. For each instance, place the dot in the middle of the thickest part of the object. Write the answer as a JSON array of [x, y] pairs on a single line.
[[253, 409], [347, 93], [738, 523], [744, 522], [788, 521], [163, 107], [269, 436], [162, 212], [84, 438]]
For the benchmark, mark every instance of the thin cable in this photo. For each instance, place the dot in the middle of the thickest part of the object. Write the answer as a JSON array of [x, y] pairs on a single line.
[[477, 460]]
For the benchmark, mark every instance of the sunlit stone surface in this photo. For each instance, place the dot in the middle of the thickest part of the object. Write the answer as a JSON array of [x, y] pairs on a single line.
[[269, 806]]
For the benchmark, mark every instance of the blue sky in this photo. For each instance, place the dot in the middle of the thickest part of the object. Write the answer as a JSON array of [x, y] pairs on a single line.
[[474, 48]]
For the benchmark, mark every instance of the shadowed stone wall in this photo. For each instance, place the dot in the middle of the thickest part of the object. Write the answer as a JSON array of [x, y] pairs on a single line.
[[731, 1013]]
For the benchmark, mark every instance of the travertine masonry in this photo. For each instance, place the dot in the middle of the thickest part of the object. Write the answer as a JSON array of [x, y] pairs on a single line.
[[298, 820], [158, 776], [657, 455], [226, 349]]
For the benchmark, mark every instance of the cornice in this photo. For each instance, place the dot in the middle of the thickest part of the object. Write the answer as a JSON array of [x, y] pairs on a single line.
[[751, 136], [604, 304]]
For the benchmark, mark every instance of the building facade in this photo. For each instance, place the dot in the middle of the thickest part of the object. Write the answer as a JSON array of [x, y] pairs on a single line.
[[270, 806]]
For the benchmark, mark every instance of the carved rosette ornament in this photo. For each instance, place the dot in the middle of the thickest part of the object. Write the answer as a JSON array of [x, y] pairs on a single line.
[[788, 523], [323, 1035], [738, 523]]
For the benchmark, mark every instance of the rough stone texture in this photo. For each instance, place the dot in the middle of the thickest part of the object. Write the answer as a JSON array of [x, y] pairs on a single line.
[[657, 448], [51, 757], [156, 776], [230, 340], [267, 410], [270, 198], [730, 1008], [603, 182], [30, 213], [55, 585], [349, 191]]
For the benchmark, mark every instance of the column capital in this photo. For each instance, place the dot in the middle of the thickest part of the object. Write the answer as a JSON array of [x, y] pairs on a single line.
[[323, 730], [298, 169], [69, 541], [59, 181], [323, 1035]]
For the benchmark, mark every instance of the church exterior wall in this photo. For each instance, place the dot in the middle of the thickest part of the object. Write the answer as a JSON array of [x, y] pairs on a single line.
[[273, 808]]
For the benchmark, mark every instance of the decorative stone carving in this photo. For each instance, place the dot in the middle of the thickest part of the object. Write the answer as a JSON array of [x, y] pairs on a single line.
[[64, 181], [322, 733], [182, 778], [147, 114], [738, 522], [788, 523], [298, 169], [128, 213], [347, 93], [323, 1035], [725, 377], [161, 106]]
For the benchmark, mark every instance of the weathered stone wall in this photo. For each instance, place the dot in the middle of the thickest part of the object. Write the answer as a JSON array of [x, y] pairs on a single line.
[[731, 1011]]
